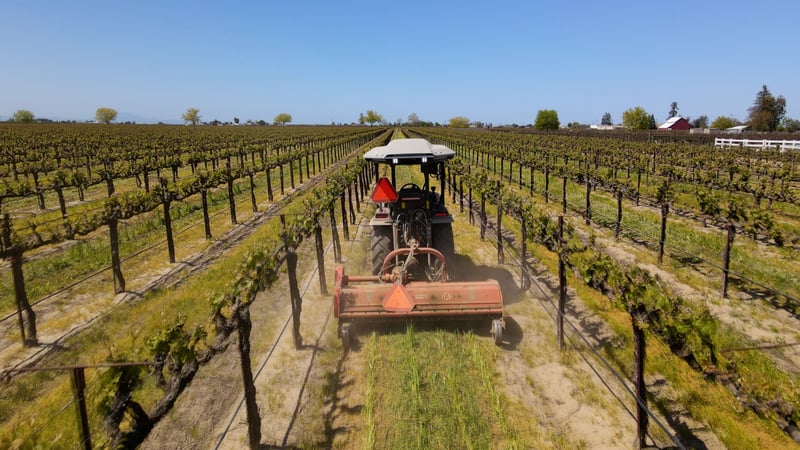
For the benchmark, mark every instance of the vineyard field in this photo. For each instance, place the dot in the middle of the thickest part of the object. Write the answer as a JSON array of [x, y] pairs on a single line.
[[183, 276]]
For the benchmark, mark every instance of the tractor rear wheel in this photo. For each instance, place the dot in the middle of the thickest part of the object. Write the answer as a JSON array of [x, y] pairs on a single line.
[[442, 235], [381, 246]]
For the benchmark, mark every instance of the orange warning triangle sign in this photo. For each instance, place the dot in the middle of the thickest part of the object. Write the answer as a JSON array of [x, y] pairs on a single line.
[[398, 300], [384, 192]]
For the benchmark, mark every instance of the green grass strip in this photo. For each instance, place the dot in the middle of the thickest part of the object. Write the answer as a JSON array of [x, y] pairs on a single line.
[[435, 390]]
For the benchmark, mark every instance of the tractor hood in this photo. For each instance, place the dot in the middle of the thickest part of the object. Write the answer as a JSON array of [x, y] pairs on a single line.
[[409, 151]]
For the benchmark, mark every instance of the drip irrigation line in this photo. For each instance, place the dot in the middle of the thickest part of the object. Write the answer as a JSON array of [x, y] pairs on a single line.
[[572, 344], [620, 379], [15, 220], [760, 347], [258, 372], [310, 366], [60, 291], [50, 421]]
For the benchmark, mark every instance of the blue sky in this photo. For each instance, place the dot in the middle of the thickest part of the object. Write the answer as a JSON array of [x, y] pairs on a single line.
[[328, 61]]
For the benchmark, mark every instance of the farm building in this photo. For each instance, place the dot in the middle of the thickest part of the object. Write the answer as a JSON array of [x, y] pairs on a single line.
[[606, 127], [737, 129], [677, 123]]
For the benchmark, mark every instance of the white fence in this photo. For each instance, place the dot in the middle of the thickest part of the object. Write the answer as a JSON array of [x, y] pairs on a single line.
[[762, 144]]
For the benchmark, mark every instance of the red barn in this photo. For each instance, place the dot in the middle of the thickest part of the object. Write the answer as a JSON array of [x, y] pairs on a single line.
[[677, 123]]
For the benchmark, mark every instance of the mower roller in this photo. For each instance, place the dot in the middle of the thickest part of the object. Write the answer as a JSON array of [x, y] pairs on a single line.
[[413, 253]]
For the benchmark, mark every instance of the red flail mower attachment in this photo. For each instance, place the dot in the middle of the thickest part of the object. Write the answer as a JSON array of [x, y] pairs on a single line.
[[390, 296]]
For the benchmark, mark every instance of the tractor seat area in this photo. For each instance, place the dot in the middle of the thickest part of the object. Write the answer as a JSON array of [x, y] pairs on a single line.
[[411, 197]]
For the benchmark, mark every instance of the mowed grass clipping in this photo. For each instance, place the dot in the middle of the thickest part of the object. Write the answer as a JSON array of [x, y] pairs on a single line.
[[434, 390]]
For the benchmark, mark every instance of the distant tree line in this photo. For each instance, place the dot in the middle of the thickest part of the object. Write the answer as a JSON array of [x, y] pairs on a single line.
[[768, 114]]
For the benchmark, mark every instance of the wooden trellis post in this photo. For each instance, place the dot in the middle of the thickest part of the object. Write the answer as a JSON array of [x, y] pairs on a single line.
[[269, 185], [206, 218], [345, 228], [166, 200], [562, 282], [461, 194], [280, 167], [726, 257], [79, 386], [253, 192], [291, 173], [323, 286], [619, 214], [231, 199], [116, 264], [337, 246], [501, 258], [638, 368], [294, 293], [523, 263], [483, 215]]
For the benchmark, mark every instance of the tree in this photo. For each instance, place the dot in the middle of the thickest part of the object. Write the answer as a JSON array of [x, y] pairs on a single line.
[[105, 115], [767, 111], [673, 110], [636, 118], [724, 122], [192, 115], [547, 119], [236, 120], [282, 119], [371, 118], [23, 115], [606, 120], [459, 122], [413, 119], [651, 125], [791, 125], [700, 122]]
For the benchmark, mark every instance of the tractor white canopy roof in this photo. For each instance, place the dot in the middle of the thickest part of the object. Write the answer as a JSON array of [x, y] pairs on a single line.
[[409, 151]]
